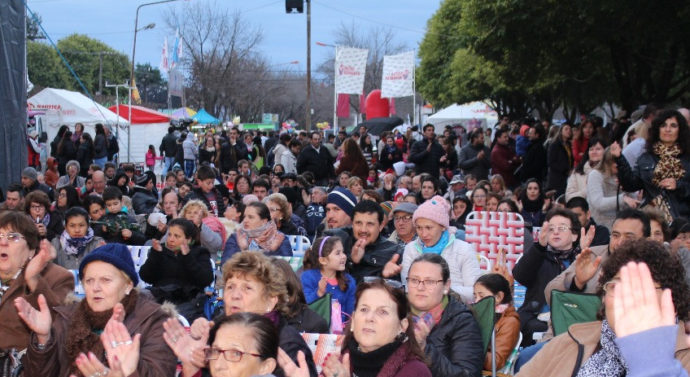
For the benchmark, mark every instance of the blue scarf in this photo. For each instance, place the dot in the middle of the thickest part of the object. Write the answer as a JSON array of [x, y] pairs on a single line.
[[444, 241]]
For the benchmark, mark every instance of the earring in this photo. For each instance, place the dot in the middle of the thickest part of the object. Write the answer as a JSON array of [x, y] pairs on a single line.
[[445, 292]]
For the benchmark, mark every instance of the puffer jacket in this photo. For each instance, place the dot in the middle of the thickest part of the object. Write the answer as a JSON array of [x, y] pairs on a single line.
[[143, 200], [641, 179], [156, 359], [454, 346]]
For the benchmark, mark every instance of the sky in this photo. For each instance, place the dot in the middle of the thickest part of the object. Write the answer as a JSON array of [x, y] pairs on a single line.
[[112, 21]]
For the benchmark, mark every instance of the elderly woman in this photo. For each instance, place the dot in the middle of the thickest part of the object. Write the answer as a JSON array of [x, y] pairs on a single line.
[[76, 241], [593, 348], [444, 326], [380, 339], [27, 272], [37, 206], [257, 233], [433, 236], [281, 213], [252, 284], [109, 278], [663, 171], [179, 270], [72, 177]]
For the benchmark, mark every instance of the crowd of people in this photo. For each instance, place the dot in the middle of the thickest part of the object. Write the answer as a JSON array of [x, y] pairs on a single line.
[[605, 211]]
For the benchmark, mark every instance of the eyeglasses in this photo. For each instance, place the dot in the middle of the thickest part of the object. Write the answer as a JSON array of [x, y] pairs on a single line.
[[610, 286], [391, 283], [560, 228], [233, 355], [62, 194], [11, 237], [37, 206], [412, 282], [402, 218], [274, 209]]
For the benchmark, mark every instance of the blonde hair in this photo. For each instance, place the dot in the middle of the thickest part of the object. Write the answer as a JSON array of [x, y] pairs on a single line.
[[194, 203], [282, 202], [261, 268]]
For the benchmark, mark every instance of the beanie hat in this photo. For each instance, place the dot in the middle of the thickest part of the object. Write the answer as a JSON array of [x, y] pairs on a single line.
[[344, 199], [30, 173], [116, 254], [435, 209], [387, 207]]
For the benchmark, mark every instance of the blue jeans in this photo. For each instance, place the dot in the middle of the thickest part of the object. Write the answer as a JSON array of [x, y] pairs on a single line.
[[100, 161], [526, 354], [169, 161], [189, 168]]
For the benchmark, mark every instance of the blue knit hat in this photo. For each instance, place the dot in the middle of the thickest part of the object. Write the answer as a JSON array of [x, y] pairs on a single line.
[[116, 254], [344, 199]]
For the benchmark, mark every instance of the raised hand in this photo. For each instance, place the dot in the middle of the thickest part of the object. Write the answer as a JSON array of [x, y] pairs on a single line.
[[636, 304], [46, 253], [615, 149], [200, 329], [187, 349], [156, 245], [184, 248], [586, 237], [89, 365], [38, 321], [323, 284], [544, 234], [586, 266], [358, 250], [334, 367], [631, 202], [120, 347], [392, 268], [668, 184], [290, 368], [421, 331]]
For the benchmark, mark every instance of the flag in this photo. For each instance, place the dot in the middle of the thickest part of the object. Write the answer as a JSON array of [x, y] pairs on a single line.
[[398, 75], [136, 98], [164, 66], [343, 109], [350, 66], [177, 50]]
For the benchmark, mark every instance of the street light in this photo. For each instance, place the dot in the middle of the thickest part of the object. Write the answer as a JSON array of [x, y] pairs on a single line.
[[335, 95], [131, 76]]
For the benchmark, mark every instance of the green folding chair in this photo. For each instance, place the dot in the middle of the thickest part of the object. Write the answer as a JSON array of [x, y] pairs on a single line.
[[484, 314], [322, 306], [569, 308]]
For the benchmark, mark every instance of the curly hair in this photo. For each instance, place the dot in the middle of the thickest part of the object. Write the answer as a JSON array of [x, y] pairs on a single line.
[[666, 270], [261, 268], [683, 140]]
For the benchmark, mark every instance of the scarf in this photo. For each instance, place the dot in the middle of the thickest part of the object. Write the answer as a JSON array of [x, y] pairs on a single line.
[[46, 219], [75, 246], [369, 364], [436, 312], [445, 240], [266, 237], [669, 165], [86, 326], [608, 361]]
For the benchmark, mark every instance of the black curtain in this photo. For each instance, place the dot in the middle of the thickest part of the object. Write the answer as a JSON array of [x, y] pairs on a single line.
[[13, 151]]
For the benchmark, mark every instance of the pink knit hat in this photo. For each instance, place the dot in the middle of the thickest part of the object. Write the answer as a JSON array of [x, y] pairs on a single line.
[[435, 209]]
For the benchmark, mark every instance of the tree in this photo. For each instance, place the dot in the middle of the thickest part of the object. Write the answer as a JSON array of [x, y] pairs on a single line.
[[82, 52], [152, 87], [46, 69], [33, 31]]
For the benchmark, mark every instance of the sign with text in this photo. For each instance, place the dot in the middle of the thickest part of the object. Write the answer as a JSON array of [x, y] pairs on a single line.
[[350, 66]]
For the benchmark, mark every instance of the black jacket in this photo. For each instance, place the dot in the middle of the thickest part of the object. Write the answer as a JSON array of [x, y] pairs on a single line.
[[560, 163], [641, 179], [100, 146], [454, 346], [426, 161], [470, 164], [113, 147], [68, 152], [197, 193], [307, 320], [290, 340], [37, 186], [85, 158], [143, 200], [386, 162], [319, 163], [534, 162], [231, 154], [168, 146]]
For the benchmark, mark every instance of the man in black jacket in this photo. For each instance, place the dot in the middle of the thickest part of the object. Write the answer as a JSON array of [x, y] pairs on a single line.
[[475, 157], [168, 149], [534, 161], [232, 150], [316, 159], [30, 183], [145, 198], [427, 154]]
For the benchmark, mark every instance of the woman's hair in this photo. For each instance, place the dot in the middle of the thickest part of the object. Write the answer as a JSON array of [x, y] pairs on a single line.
[[402, 311], [560, 132], [434, 259], [296, 300], [429, 178], [66, 136], [264, 332], [39, 197], [354, 179], [494, 195], [513, 207], [72, 196], [496, 283], [87, 138], [188, 228], [282, 202], [373, 194], [655, 215], [606, 163], [683, 131], [594, 140], [195, 203], [76, 212], [582, 129], [282, 168], [666, 269], [21, 223], [475, 191], [261, 210], [238, 179], [312, 255], [260, 267], [499, 178]]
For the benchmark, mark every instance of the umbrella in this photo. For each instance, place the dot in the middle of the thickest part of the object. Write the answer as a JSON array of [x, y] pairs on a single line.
[[377, 125]]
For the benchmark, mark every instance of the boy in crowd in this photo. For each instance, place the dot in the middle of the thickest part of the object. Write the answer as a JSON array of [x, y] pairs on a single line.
[[117, 225], [207, 192]]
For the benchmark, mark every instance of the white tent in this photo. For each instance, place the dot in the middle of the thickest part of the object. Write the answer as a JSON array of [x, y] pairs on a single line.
[[66, 107], [470, 115]]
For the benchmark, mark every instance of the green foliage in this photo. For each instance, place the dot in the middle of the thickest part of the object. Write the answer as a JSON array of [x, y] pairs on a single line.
[[82, 52], [45, 67], [152, 87]]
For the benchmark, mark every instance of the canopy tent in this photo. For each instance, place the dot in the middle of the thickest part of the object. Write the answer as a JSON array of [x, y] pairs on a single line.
[[183, 113], [203, 117], [140, 114], [66, 107], [470, 115]]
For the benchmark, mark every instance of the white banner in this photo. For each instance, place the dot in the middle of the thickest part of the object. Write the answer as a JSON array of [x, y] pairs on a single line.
[[398, 75], [350, 66]]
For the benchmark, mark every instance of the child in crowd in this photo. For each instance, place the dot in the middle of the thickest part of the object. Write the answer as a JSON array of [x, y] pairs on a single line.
[[206, 191], [324, 272], [151, 158], [117, 225], [76, 241]]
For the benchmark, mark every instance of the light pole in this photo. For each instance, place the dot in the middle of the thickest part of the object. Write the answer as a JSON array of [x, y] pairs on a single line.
[[335, 94], [131, 76], [308, 119]]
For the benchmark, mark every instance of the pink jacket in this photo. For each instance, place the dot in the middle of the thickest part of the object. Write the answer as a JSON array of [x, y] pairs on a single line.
[[151, 158]]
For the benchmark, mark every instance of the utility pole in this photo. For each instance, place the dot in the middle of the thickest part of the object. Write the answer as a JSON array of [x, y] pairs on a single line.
[[308, 117]]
